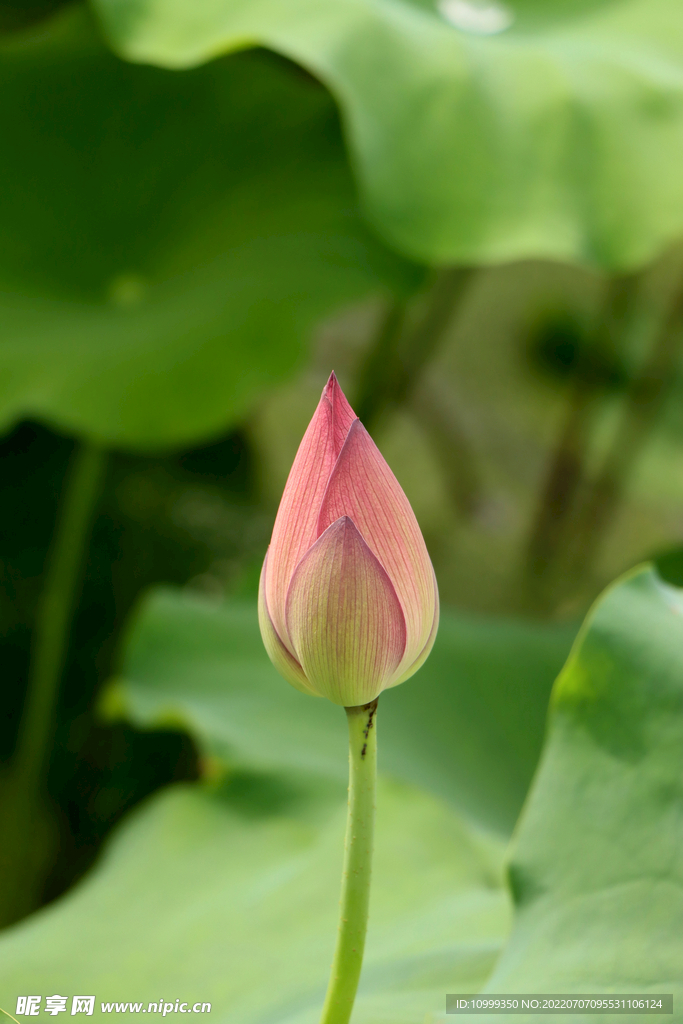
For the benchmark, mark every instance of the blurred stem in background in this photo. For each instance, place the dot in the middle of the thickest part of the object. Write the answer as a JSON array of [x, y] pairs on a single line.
[[394, 375], [434, 406], [577, 506], [642, 405], [24, 820], [567, 470]]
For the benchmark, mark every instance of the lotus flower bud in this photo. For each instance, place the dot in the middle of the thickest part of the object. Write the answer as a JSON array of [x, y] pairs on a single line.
[[348, 602]]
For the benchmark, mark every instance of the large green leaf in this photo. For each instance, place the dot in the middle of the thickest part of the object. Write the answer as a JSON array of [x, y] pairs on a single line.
[[167, 242], [598, 867], [469, 726], [559, 136], [225, 897], [211, 899]]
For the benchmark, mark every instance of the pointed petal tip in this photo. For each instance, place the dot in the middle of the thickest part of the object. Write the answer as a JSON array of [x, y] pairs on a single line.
[[296, 521], [331, 387], [342, 413], [334, 391]]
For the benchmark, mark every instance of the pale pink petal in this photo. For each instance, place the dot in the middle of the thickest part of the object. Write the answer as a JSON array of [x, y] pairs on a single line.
[[410, 670], [344, 618], [288, 667], [363, 487], [295, 527]]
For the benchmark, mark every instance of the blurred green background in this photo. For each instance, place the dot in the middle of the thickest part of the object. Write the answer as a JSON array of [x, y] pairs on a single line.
[[472, 212]]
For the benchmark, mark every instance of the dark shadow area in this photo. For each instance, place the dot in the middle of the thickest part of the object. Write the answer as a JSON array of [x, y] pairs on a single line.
[[172, 519]]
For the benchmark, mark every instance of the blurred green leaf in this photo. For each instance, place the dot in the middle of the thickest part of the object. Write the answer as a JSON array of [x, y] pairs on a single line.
[[204, 898], [167, 241], [469, 726], [597, 871], [481, 131]]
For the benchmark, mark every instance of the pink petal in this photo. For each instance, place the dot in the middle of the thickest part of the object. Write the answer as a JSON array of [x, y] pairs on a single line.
[[344, 618], [295, 527], [363, 487], [287, 666]]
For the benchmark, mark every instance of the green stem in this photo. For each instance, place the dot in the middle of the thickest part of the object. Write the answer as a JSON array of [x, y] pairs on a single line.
[[55, 613], [355, 892], [20, 872]]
